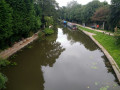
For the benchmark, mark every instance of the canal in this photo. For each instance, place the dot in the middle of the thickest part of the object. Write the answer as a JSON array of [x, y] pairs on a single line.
[[66, 60]]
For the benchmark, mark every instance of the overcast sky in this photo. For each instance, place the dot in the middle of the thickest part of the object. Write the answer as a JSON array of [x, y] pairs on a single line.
[[83, 2]]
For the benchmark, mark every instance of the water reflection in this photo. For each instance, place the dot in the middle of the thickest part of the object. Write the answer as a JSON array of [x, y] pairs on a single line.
[[78, 68], [78, 36]]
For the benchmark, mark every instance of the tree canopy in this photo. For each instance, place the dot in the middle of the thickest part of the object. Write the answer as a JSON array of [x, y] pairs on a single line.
[[20, 18], [101, 14], [80, 13], [115, 14]]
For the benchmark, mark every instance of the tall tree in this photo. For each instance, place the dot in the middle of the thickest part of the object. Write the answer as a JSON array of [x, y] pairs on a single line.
[[19, 16], [5, 23], [80, 13], [89, 10], [101, 15], [49, 8], [115, 14]]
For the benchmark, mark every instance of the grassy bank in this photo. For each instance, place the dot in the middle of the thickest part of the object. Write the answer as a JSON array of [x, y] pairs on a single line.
[[108, 42]]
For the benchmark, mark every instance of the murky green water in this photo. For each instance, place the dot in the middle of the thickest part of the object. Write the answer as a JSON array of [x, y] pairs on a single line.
[[68, 60]]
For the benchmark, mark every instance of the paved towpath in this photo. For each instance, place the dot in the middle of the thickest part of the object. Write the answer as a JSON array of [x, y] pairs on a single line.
[[19, 45], [108, 33]]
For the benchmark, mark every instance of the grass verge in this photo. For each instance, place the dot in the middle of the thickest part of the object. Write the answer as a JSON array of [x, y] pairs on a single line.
[[108, 42]]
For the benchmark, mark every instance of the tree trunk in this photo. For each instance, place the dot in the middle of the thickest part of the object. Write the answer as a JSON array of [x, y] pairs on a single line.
[[103, 25]]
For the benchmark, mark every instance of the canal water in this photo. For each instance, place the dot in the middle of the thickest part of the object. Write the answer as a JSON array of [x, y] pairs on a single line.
[[66, 60]]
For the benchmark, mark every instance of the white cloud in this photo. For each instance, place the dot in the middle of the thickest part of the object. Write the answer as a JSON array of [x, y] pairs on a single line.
[[83, 2]]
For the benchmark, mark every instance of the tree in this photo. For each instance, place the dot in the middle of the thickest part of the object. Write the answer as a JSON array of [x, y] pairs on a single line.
[[19, 17], [101, 15], [5, 23], [49, 8], [25, 19], [38, 15], [89, 10], [49, 21], [115, 14], [80, 13]]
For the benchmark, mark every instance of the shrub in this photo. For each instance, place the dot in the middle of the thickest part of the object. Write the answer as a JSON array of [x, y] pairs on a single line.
[[4, 62], [117, 36], [48, 31], [3, 80], [48, 21]]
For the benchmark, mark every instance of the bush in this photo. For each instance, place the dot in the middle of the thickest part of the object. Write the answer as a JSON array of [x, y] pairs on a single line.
[[48, 31], [48, 21], [117, 36], [4, 62], [3, 80]]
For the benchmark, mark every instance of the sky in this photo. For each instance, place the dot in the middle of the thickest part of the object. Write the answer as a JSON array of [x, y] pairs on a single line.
[[83, 2]]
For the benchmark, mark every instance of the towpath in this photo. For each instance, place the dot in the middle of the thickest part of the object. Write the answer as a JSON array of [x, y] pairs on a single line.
[[108, 33], [10, 51]]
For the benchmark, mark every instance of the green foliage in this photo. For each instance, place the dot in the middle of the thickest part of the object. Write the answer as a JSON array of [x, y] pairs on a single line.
[[4, 62], [80, 13], [49, 21], [13, 56], [29, 46], [48, 31], [101, 14], [114, 19], [13, 64], [18, 18], [3, 80], [5, 23], [89, 10], [117, 36], [49, 8]]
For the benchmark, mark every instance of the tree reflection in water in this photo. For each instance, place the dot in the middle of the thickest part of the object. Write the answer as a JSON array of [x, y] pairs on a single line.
[[28, 75], [78, 36]]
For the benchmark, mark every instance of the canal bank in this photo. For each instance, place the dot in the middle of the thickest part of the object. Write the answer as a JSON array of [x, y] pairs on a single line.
[[110, 58], [19, 45], [66, 60]]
